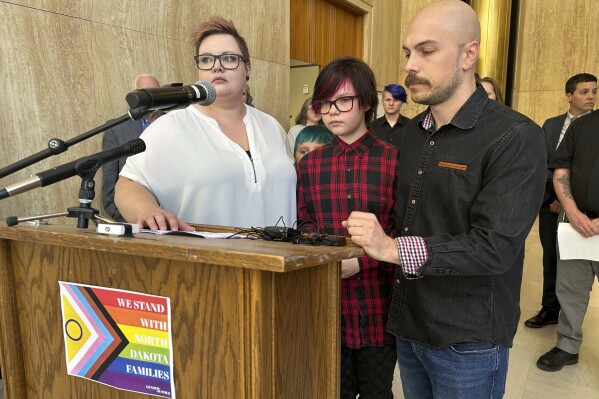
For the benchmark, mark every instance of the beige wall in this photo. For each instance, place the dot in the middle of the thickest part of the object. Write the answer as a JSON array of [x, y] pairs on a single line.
[[66, 67], [390, 21], [300, 77], [557, 39]]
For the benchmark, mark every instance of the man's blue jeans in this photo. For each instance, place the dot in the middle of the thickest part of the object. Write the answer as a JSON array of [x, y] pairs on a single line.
[[460, 371]]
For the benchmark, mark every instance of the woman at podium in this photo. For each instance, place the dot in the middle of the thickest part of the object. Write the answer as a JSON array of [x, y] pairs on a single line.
[[224, 163]]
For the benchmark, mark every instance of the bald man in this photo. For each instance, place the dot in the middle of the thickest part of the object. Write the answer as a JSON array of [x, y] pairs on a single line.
[[120, 134], [471, 183]]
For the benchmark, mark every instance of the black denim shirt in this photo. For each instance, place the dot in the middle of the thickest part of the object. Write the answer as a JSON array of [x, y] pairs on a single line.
[[472, 190]]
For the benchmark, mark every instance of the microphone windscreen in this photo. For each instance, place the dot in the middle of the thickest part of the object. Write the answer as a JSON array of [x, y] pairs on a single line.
[[137, 146], [210, 91]]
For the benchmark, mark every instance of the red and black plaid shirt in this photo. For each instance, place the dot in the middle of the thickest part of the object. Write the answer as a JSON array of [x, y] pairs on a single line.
[[333, 181]]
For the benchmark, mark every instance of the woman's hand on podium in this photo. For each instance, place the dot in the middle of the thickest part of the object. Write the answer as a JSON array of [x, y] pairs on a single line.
[[159, 219], [138, 205]]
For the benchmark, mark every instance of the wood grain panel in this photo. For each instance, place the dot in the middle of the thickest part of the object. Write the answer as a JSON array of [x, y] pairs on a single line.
[[255, 254], [339, 33], [302, 33], [325, 31], [238, 331], [318, 332], [348, 35], [12, 357], [205, 316]]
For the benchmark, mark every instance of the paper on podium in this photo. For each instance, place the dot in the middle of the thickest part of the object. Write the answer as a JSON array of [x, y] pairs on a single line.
[[200, 234], [574, 246]]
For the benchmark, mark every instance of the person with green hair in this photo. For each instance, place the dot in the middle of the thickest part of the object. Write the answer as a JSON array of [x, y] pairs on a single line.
[[309, 139]]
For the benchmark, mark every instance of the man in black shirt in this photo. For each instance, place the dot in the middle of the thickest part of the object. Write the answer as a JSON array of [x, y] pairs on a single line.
[[390, 126], [581, 94], [576, 182], [471, 180]]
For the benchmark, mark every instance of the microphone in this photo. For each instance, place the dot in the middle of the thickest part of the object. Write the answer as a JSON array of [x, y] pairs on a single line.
[[90, 163], [201, 92]]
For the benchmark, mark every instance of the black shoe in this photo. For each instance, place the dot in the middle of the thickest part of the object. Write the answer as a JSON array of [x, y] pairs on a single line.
[[542, 319], [555, 359]]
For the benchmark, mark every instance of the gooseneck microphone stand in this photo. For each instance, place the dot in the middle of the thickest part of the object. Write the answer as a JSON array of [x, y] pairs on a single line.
[[86, 168], [58, 146], [84, 212], [165, 99]]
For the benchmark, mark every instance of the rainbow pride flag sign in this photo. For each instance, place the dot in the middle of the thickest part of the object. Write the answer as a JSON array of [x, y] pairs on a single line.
[[118, 338]]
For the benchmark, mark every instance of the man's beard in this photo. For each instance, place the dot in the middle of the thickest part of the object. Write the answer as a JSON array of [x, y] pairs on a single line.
[[435, 95]]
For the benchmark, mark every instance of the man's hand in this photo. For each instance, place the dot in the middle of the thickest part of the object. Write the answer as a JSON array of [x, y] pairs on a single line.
[[582, 224], [555, 207], [349, 267], [366, 231]]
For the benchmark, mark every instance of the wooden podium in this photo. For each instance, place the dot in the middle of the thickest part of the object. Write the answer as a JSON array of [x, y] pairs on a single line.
[[250, 318]]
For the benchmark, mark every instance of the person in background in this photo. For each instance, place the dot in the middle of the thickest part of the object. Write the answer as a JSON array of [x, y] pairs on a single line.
[[575, 167], [222, 164], [581, 94], [469, 189], [309, 139], [492, 88], [306, 117], [390, 126], [121, 134], [247, 96], [357, 171]]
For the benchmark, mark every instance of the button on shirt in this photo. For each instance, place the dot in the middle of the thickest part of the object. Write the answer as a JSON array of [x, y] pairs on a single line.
[[333, 181], [468, 194]]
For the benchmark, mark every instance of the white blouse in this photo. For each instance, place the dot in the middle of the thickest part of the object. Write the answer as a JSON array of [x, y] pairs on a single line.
[[196, 172]]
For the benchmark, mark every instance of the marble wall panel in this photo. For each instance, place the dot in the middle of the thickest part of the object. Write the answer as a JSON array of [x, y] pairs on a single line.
[[47, 93], [408, 10], [122, 54], [269, 84], [556, 40], [385, 43], [263, 23], [78, 9], [540, 105]]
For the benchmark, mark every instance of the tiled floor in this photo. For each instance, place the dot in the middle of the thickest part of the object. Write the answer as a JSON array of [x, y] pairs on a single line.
[[525, 380]]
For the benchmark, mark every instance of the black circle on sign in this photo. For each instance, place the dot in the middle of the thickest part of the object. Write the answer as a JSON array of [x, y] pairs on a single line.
[[66, 329]]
